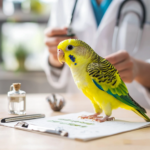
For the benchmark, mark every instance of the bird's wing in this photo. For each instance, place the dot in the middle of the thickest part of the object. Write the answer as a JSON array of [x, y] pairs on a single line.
[[107, 78]]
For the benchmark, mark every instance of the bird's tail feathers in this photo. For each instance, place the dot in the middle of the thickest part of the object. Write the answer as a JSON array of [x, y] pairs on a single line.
[[143, 115]]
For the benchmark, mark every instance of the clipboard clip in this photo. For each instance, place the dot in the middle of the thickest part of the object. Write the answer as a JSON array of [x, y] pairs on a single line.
[[29, 127]]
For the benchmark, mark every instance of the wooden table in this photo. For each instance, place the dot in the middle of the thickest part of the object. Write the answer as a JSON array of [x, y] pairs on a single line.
[[13, 139]]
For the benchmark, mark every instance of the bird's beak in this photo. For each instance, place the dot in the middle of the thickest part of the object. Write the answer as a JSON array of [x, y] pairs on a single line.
[[60, 56]]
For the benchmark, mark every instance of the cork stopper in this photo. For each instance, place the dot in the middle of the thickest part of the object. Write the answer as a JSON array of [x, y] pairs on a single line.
[[17, 86]]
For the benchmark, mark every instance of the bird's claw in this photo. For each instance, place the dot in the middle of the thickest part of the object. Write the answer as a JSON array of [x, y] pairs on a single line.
[[97, 118], [90, 116], [104, 119]]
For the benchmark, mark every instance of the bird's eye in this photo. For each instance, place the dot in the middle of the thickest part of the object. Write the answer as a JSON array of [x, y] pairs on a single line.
[[69, 47]]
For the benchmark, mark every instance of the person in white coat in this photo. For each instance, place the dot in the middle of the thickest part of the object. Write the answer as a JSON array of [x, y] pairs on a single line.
[[100, 39]]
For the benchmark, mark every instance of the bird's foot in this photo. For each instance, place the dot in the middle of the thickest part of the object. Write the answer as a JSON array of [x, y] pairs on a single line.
[[106, 118], [91, 116]]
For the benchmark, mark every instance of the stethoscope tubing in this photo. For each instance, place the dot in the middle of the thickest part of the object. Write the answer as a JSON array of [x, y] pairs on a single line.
[[143, 12], [142, 20]]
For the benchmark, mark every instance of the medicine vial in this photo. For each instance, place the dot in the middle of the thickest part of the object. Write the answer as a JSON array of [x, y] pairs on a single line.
[[16, 100]]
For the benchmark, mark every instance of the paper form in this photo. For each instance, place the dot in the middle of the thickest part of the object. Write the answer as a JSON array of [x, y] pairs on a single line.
[[84, 129]]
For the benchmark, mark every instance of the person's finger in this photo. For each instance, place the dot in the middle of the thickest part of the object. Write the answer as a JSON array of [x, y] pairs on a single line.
[[127, 64], [55, 57], [53, 54], [127, 79], [55, 31], [124, 79], [52, 49], [126, 73], [117, 57], [54, 41]]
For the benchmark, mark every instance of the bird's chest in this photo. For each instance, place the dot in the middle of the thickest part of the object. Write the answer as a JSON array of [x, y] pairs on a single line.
[[80, 77], [80, 81], [84, 82]]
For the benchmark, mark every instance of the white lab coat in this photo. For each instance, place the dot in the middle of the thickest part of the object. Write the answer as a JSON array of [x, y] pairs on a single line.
[[100, 39]]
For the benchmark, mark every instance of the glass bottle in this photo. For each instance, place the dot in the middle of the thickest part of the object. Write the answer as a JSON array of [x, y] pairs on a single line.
[[17, 100]]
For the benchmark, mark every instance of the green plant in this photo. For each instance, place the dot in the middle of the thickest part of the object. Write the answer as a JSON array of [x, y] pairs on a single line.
[[21, 55], [21, 52]]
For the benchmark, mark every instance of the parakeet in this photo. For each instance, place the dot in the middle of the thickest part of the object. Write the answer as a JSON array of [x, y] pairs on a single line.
[[98, 79]]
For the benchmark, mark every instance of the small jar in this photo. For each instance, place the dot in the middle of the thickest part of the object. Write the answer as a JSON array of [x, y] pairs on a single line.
[[16, 100]]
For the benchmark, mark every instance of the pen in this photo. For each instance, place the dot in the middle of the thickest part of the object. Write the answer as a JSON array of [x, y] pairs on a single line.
[[71, 20], [22, 117], [69, 31]]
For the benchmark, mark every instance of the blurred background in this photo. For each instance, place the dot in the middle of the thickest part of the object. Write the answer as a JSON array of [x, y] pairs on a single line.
[[22, 24]]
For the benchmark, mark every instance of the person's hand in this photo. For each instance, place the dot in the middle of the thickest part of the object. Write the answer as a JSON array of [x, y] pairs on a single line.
[[125, 64], [52, 39]]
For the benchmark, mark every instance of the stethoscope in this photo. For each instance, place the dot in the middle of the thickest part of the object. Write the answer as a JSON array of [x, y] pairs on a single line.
[[142, 19]]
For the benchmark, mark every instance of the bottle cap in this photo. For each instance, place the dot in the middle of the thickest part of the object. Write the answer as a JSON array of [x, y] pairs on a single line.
[[17, 86]]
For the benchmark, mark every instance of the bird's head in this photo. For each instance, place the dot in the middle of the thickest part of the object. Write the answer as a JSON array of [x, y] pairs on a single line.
[[74, 52]]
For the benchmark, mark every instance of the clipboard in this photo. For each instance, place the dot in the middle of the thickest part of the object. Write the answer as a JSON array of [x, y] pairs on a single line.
[[73, 127], [30, 127], [22, 125]]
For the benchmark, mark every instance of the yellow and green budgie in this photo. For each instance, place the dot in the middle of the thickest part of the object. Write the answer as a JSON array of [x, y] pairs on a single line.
[[98, 79]]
